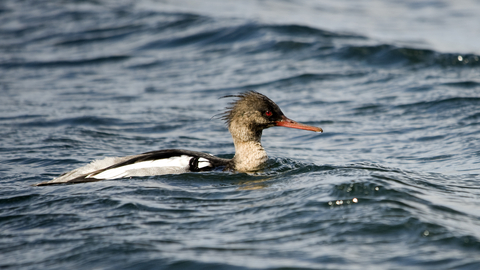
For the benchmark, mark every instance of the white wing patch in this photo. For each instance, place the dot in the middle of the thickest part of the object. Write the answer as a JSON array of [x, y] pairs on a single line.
[[203, 162], [178, 164]]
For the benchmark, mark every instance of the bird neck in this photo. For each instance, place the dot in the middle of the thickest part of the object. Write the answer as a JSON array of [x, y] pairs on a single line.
[[249, 152]]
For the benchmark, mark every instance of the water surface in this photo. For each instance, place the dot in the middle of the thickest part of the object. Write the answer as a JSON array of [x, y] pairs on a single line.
[[391, 183]]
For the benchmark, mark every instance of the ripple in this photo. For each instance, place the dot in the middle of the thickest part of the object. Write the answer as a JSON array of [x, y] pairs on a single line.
[[76, 121], [464, 84], [393, 182], [386, 54], [66, 63]]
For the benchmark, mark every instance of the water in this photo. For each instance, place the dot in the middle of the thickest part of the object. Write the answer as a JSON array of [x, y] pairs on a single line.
[[392, 183]]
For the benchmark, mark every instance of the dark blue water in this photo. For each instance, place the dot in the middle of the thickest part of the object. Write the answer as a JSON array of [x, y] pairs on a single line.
[[392, 183]]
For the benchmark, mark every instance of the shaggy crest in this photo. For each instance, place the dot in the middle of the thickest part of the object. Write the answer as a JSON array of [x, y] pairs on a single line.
[[248, 102]]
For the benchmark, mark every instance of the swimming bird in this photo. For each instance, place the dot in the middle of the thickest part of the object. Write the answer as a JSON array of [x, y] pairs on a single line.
[[246, 118]]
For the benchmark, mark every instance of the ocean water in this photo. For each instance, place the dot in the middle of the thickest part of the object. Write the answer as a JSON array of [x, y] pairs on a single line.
[[392, 183]]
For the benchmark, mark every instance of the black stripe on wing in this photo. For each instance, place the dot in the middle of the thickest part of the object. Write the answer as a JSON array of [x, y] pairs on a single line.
[[161, 154]]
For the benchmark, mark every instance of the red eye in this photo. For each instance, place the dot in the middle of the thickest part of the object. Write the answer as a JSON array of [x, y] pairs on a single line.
[[268, 113]]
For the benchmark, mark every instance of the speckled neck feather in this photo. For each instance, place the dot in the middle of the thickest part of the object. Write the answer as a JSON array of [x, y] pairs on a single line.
[[246, 123]]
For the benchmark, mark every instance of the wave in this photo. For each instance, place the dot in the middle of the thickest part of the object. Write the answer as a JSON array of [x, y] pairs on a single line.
[[411, 108], [213, 36], [292, 38], [288, 203], [76, 121], [442, 106], [386, 54], [65, 63], [464, 84], [205, 35]]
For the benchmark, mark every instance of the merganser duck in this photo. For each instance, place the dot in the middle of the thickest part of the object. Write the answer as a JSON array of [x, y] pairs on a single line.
[[247, 117]]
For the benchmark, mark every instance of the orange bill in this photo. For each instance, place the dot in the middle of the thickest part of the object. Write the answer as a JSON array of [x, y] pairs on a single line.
[[286, 122]]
